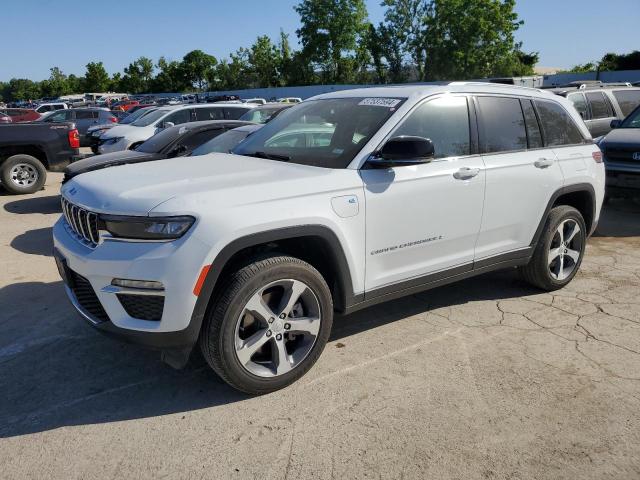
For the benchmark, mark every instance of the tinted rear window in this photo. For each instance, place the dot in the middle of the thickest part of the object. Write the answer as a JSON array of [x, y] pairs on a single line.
[[599, 106], [559, 129], [627, 99], [502, 123]]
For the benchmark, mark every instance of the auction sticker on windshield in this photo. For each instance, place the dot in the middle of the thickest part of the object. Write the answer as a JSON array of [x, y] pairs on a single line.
[[380, 102]]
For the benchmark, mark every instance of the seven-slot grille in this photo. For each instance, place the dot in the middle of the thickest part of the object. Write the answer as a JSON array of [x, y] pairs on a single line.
[[83, 222]]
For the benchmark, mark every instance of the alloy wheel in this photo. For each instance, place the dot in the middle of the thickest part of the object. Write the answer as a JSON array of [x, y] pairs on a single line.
[[277, 328], [565, 249]]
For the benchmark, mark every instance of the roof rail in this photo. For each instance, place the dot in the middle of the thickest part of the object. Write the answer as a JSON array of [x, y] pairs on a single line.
[[493, 84], [604, 85]]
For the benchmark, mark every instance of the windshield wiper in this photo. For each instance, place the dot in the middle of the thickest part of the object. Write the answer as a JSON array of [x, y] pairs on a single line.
[[268, 156]]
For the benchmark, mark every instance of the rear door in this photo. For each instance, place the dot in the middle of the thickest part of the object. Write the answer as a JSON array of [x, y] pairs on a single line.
[[601, 113], [521, 174]]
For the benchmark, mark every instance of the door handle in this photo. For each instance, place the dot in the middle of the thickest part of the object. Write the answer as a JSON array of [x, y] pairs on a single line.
[[465, 173], [543, 163]]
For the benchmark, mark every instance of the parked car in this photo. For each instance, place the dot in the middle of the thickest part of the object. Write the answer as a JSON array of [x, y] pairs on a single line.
[[178, 141], [290, 100], [227, 141], [124, 105], [95, 132], [28, 150], [259, 101], [21, 114], [621, 150], [249, 254], [83, 119], [48, 107], [600, 104], [125, 137], [264, 113]]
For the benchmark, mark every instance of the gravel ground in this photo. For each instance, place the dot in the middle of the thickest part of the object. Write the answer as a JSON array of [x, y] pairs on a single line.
[[486, 379]]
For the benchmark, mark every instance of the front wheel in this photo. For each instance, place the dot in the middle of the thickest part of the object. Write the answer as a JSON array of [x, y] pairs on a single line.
[[21, 174], [269, 325], [560, 250]]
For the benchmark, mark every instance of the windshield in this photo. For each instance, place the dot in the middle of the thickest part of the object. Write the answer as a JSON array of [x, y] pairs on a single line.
[[223, 143], [149, 119], [260, 114], [132, 117], [323, 133], [161, 140], [633, 120]]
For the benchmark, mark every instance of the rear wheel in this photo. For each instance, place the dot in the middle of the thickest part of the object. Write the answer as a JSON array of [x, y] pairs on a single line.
[[269, 325], [560, 250], [21, 174]]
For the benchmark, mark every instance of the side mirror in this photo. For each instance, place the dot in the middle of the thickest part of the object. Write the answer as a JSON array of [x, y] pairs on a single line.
[[167, 124], [177, 151], [615, 123], [403, 151]]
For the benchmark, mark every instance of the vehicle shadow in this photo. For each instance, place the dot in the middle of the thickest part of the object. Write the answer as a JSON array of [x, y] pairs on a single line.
[[57, 371], [43, 205], [619, 218], [34, 242]]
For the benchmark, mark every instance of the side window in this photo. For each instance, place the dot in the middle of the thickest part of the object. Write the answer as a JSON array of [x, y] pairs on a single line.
[[534, 136], [502, 125], [62, 116], [445, 121], [580, 104], [627, 99], [209, 113], [234, 113], [558, 127], [84, 114], [599, 106], [197, 139], [58, 107], [181, 116]]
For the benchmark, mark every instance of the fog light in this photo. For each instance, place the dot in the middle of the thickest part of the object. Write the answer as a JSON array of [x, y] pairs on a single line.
[[140, 284]]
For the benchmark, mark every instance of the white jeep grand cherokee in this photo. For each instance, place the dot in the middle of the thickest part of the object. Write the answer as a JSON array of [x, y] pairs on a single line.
[[344, 201]]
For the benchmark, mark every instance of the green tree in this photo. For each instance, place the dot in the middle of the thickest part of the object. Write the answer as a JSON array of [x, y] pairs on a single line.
[[56, 85], [286, 60], [96, 78], [264, 62], [330, 32], [198, 67], [471, 39], [137, 76], [402, 36], [23, 89], [170, 77], [613, 61]]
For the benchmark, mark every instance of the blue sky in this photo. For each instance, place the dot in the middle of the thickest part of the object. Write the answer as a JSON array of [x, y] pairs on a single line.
[[39, 34]]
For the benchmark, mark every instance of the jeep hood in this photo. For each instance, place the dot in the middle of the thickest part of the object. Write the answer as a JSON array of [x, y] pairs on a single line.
[[621, 138], [97, 162], [216, 179]]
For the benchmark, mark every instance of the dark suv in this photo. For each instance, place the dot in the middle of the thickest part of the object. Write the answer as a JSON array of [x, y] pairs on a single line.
[[83, 118], [621, 149], [600, 103]]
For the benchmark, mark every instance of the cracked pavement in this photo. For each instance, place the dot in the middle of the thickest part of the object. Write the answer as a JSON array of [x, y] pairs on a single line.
[[487, 378]]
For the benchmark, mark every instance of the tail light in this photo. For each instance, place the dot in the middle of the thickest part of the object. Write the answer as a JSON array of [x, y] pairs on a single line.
[[597, 156], [113, 120], [74, 138]]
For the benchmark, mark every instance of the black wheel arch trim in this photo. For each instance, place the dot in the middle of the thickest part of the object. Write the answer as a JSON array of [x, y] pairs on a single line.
[[343, 273], [576, 187]]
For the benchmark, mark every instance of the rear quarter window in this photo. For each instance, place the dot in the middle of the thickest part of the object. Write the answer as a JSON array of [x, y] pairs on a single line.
[[558, 127], [627, 99]]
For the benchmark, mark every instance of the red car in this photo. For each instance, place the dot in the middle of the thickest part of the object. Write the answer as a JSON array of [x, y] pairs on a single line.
[[125, 105], [4, 118], [21, 114]]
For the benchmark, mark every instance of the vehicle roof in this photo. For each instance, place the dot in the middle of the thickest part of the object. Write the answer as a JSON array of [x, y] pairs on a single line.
[[207, 124], [423, 90], [564, 91], [272, 105]]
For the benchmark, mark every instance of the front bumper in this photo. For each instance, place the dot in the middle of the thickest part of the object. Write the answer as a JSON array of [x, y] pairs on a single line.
[[175, 264], [623, 180]]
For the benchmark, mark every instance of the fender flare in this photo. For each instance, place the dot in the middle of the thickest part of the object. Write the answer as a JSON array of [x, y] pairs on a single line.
[[343, 273], [577, 187]]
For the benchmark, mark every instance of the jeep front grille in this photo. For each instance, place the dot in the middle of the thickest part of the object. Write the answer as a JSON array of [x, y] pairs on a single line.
[[82, 222]]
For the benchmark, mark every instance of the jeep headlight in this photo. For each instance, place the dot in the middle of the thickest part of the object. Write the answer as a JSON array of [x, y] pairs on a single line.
[[147, 228]]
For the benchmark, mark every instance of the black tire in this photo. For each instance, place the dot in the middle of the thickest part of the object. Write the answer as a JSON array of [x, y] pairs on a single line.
[[33, 166], [218, 335], [537, 272]]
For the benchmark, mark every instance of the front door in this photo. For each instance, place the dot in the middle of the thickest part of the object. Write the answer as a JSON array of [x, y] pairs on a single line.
[[425, 218]]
